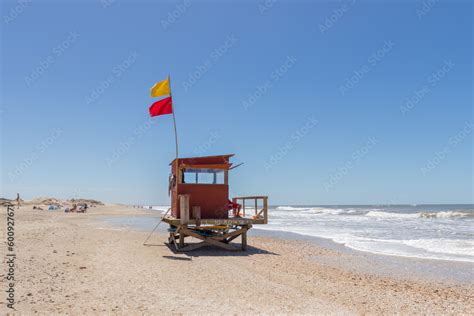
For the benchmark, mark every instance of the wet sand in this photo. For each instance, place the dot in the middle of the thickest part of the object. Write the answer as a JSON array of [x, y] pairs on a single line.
[[74, 263]]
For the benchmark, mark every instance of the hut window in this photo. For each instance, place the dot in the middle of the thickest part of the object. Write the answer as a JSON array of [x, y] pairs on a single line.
[[204, 176], [188, 177]]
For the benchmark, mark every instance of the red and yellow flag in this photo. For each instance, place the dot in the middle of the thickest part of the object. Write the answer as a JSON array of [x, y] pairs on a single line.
[[161, 88], [164, 106]]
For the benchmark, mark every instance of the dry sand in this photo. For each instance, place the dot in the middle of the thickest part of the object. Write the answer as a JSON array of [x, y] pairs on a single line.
[[70, 263]]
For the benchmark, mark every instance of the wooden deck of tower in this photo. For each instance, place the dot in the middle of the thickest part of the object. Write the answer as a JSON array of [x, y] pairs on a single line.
[[201, 208]]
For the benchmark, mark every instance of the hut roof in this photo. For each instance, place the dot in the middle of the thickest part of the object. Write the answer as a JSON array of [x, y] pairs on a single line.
[[206, 160]]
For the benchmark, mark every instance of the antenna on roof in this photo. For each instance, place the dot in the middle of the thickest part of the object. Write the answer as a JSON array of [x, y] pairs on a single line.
[[240, 164]]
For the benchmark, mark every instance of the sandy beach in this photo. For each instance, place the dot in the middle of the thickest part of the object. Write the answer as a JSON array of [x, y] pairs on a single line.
[[302, 157], [73, 263]]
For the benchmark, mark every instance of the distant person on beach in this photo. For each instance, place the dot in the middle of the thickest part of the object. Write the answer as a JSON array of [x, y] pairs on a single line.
[[18, 200]]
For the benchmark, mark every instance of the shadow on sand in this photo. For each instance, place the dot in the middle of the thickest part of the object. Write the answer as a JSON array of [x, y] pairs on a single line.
[[212, 251]]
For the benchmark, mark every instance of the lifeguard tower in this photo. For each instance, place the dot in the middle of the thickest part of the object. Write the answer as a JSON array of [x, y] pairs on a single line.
[[201, 208]]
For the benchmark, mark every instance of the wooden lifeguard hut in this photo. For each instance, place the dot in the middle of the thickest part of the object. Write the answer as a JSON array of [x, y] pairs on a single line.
[[201, 207]]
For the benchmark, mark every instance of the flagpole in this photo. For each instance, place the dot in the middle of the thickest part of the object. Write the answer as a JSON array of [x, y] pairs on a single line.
[[176, 141], [174, 119]]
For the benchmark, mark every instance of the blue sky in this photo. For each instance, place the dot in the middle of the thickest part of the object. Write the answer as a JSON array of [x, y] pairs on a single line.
[[352, 102]]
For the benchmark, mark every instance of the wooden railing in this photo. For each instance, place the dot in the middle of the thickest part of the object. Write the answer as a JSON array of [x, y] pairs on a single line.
[[260, 213]]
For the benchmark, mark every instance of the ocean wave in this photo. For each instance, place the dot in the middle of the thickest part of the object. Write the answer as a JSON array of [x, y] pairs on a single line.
[[318, 210], [446, 246], [330, 211], [381, 214], [442, 214], [376, 213], [160, 208], [423, 232], [445, 214], [291, 208], [438, 249]]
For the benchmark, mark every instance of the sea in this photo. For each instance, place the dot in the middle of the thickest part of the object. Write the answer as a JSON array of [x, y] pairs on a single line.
[[423, 231], [444, 232]]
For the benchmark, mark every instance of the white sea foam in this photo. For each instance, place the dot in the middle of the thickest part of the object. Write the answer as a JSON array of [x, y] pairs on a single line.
[[391, 214], [291, 208], [442, 214], [438, 232], [336, 211], [162, 208], [438, 249], [445, 214], [454, 250], [449, 246], [374, 212]]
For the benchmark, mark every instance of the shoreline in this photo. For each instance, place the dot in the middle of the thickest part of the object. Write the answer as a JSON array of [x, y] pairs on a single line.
[[71, 263], [437, 233], [423, 269]]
